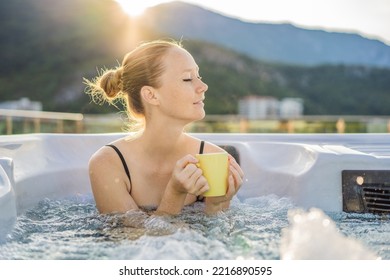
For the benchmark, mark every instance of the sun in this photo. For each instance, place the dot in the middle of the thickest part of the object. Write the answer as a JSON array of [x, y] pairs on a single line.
[[137, 7]]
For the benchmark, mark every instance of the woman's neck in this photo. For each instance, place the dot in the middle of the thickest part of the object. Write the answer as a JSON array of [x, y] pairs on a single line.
[[162, 138]]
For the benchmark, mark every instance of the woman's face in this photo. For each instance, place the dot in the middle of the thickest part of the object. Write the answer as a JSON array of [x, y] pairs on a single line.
[[182, 91]]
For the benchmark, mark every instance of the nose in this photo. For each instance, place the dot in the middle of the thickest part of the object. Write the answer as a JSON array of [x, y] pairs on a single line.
[[203, 86]]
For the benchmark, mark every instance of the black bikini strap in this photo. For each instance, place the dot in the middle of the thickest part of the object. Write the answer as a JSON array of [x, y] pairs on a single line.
[[122, 159], [201, 147], [200, 197]]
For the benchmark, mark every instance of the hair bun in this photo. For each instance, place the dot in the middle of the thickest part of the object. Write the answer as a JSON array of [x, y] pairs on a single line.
[[111, 82]]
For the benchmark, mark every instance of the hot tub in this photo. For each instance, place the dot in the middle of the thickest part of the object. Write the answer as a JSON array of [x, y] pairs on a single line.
[[332, 172]]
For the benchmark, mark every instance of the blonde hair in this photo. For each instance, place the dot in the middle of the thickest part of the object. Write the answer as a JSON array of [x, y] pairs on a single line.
[[141, 67]]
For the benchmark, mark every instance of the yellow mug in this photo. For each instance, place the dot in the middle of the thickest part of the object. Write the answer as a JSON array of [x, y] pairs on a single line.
[[215, 167]]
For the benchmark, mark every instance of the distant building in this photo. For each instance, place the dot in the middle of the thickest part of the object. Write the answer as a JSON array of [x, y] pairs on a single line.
[[22, 104], [291, 107], [258, 107], [262, 107]]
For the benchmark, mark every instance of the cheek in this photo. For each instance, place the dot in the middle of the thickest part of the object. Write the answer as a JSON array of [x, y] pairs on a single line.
[[174, 93], [178, 93], [170, 96]]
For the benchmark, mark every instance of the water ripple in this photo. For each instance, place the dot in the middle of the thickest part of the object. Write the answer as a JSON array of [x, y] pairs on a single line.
[[250, 229]]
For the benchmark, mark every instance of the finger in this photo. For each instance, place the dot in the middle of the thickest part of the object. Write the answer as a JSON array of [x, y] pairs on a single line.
[[201, 181], [204, 188], [190, 169], [188, 159], [195, 180], [236, 177], [193, 174], [201, 185], [186, 177], [236, 169], [234, 163], [231, 187]]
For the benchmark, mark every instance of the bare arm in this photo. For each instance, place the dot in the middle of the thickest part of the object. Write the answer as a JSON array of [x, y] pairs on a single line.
[[109, 184]]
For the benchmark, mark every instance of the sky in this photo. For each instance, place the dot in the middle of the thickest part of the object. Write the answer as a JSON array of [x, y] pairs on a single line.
[[369, 18]]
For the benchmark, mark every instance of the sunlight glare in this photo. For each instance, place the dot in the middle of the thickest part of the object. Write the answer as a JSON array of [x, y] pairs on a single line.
[[136, 8]]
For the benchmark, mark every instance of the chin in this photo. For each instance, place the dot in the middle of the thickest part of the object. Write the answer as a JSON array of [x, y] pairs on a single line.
[[196, 116], [201, 116]]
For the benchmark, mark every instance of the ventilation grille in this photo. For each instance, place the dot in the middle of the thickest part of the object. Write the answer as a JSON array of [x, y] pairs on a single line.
[[377, 197], [366, 191]]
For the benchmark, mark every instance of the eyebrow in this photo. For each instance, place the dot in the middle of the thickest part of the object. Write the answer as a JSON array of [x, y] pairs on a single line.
[[191, 69]]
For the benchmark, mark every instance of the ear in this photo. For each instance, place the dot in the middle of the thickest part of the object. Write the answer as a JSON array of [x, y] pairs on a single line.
[[149, 95]]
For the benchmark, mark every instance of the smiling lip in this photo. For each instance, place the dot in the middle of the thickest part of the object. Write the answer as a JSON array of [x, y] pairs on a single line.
[[200, 102]]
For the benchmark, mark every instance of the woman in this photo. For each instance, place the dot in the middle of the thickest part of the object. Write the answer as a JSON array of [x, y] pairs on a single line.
[[162, 88]]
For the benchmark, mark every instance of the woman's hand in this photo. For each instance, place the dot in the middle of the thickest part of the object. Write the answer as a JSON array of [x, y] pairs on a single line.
[[186, 179], [235, 180]]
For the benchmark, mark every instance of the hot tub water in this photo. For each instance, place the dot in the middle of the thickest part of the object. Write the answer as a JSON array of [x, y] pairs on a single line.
[[266, 227]]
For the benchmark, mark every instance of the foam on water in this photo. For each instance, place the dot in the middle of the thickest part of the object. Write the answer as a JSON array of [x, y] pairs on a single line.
[[313, 235], [265, 227]]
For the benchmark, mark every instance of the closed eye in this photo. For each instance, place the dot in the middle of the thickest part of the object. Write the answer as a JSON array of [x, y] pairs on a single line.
[[190, 80]]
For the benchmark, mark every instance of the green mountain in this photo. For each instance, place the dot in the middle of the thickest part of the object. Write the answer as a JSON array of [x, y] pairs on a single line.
[[48, 46]]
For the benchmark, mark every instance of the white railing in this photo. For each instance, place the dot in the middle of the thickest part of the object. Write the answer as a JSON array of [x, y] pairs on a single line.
[[304, 123], [212, 123], [37, 116]]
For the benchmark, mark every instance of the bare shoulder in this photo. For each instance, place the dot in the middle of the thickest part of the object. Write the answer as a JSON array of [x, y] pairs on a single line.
[[106, 155], [105, 164], [212, 148], [209, 147], [110, 185], [103, 156]]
